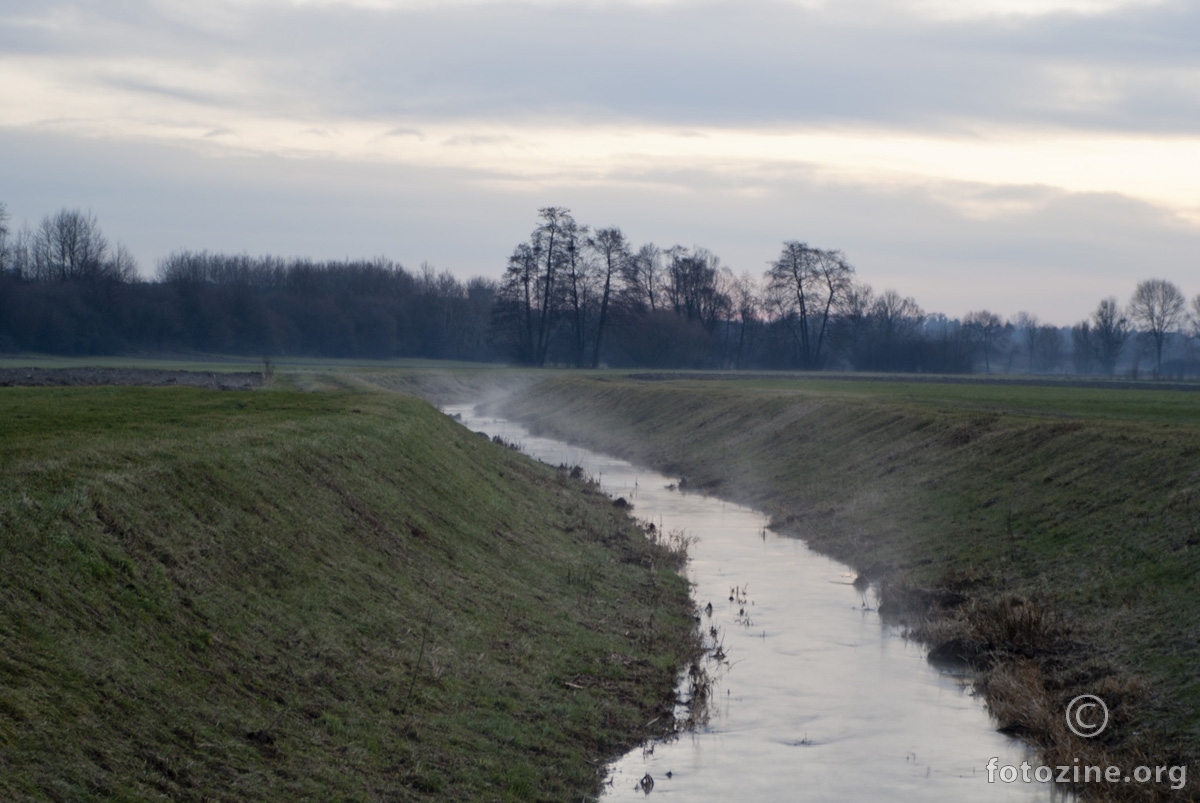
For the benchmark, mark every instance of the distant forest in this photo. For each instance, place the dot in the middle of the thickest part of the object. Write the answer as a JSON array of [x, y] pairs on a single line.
[[570, 296]]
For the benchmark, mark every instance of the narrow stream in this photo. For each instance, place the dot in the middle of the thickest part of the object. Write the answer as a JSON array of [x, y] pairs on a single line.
[[817, 699]]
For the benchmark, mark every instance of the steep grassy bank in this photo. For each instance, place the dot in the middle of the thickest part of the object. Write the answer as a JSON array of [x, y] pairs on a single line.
[[1049, 535], [326, 596]]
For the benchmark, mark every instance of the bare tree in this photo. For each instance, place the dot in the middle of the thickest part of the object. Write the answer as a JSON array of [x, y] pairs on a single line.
[[1110, 330], [643, 278], [1158, 305], [70, 246], [896, 313], [531, 292], [123, 266], [20, 248], [1027, 324], [518, 297], [852, 324], [895, 323], [806, 284], [987, 330], [556, 220], [1196, 316], [613, 256], [578, 270], [747, 304], [693, 286]]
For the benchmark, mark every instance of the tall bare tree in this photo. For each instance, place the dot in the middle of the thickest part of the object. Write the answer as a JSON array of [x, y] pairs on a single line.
[[1158, 305], [578, 277], [613, 258], [806, 285], [518, 296], [552, 234], [531, 293]]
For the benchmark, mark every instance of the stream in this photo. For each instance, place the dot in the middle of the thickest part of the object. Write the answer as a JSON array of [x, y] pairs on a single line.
[[817, 698]]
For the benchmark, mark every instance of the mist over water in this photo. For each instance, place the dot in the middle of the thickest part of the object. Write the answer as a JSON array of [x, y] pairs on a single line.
[[817, 698]]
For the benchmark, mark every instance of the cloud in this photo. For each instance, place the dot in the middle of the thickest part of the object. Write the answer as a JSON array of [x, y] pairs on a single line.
[[945, 145], [405, 132], [967, 9], [476, 140], [685, 63], [927, 8]]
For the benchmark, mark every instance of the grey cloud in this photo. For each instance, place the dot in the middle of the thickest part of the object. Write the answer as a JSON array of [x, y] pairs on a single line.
[[756, 63], [162, 90]]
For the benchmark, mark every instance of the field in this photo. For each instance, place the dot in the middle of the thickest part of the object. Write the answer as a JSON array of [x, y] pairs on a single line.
[[1048, 534], [337, 595]]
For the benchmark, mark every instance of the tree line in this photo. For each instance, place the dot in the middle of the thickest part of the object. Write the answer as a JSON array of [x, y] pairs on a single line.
[[63, 291], [570, 295], [576, 296]]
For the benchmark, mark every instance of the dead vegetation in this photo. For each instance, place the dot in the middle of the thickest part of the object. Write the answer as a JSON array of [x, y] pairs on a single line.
[[1019, 657]]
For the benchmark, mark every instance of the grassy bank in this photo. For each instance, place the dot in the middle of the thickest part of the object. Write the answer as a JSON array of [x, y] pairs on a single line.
[[1049, 535], [312, 596]]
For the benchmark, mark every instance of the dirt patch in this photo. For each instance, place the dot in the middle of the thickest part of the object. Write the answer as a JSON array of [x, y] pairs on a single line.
[[146, 377]]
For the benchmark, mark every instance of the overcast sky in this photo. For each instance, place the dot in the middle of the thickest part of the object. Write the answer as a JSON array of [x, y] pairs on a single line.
[[1010, 154]]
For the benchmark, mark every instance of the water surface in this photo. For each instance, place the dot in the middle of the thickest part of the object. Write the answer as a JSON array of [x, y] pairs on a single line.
[[817, 699]]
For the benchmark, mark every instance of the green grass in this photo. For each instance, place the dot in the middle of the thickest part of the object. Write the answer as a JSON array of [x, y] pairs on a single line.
[[311, 596], [1084, 499], [222, 362], [1051, 397]]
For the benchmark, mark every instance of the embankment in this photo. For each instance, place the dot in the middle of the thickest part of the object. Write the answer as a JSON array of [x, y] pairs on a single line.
[[274, 595], [1056, 551]]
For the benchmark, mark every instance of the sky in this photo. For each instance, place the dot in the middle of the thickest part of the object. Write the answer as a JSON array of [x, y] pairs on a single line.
[[1015, 155]]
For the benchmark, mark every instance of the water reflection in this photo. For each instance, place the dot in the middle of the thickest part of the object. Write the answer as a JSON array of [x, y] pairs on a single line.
[[816, 698]]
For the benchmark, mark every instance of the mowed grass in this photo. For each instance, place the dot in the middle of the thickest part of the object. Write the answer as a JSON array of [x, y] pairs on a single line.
[[277, 595], [1084, 500]]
